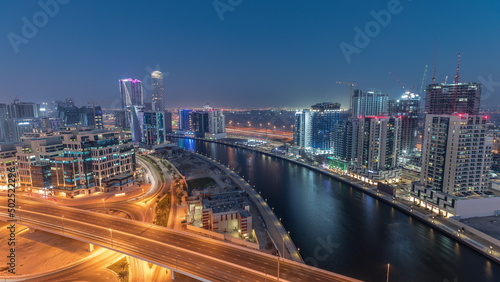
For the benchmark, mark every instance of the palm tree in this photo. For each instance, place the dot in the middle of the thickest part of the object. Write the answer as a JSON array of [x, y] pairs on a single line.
[[123, 275], [123, 265]]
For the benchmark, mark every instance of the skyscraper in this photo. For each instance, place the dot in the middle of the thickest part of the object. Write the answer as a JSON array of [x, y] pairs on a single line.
[[199, 123], [3, 123], [154, 127], [378, 142], [369, 103], [136, 122], [456, 153], [453, 98], [345, 132], [131, 93], [456, 159], [408, 108], [216, 124], [314, 129], [184, 119], [302, 129], [23, 110], [324, 116], [158, 103], [85, 116], [209, 123], [377, 145]]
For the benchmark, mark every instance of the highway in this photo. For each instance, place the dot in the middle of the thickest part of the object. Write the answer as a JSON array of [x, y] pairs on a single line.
[[189, 254]]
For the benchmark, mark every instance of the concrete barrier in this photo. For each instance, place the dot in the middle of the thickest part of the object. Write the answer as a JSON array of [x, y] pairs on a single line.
[[237, 241], [206, 232]]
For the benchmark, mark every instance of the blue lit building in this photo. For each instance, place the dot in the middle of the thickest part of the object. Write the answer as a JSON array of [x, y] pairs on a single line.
[[154, 127], [324, 116], [184, 120], [314, 129]]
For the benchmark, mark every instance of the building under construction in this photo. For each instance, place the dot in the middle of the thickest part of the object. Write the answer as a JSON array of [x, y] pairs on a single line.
[[446, 99]]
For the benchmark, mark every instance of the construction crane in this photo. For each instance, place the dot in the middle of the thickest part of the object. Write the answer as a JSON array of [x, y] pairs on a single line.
[[434, 71], [351, 85], [457, 75], [457, 79], [398, 81]]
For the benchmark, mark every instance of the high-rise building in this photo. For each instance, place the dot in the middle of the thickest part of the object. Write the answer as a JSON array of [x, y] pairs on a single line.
[[16, 127], [453, 98], [84, 116], [302, 129], [23, 110], [345, 132], [136, 114], [324, 117], [184, 119], [154, 127], [120, 117], [3, 123], [209, 123], [456, 153], [216, 124], [199, 123], [44, 110], [456, 159], [158, 101], [377, 143], [408, 108], [314, 129], [131, 93], [168, 122], [369, 103]]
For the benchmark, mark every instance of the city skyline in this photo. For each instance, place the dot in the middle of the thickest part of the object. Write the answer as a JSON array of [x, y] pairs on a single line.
[[233, 60], [233, 140]]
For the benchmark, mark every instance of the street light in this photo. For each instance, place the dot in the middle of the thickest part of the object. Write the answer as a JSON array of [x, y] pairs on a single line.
[[111, 231], [388, 267]]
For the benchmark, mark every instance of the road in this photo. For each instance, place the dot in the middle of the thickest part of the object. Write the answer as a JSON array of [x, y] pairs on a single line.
[[138, 204], [90, 270], [258, 133], [187, 253]]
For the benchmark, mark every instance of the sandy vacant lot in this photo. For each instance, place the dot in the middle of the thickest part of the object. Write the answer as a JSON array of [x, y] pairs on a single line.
[[39, 251]]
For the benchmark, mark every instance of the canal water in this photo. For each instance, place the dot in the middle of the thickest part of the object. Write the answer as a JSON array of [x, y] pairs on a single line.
[[343, 230]]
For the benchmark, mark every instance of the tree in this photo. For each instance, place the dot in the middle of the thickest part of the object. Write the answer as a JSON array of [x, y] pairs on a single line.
[[123, 275]]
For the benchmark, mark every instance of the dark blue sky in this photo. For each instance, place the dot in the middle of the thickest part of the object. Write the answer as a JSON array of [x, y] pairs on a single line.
[[264, 53]]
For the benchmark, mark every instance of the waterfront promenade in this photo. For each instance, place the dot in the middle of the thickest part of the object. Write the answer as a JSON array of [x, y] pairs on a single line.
[[482, 243], [277, 232]]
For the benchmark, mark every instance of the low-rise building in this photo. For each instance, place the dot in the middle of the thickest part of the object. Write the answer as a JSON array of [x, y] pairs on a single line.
[[224, 213], [462, 205]]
